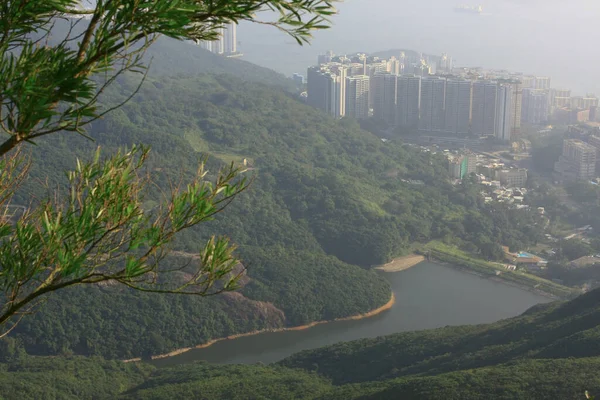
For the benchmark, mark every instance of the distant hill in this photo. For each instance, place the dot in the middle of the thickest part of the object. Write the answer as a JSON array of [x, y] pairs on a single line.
[[170, 57], [173, 57]]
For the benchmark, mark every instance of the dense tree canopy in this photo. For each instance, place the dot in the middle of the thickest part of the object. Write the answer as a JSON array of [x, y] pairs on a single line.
[[99, 231], [548, 352], [321, 188]]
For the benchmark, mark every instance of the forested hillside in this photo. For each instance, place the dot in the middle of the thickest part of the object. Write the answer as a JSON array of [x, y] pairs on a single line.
[[551, 351], [328, 201]]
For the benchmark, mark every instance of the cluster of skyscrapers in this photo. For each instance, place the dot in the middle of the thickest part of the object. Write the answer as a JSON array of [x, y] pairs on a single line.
[[419, 93], [226, 44], [359, 85], [541, 105], [362, 86], [344, 86]]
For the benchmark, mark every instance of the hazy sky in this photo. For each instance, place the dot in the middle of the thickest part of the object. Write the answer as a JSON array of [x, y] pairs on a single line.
[[545, 37]]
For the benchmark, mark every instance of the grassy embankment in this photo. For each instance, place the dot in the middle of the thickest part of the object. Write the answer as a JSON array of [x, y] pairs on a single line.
[[459, 258]]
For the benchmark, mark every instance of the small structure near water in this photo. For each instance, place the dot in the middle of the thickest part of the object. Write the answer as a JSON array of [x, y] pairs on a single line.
[[523, 258]]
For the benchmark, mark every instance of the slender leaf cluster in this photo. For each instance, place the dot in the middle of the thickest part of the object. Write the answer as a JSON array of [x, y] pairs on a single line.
[[47, 88], [100, 232]]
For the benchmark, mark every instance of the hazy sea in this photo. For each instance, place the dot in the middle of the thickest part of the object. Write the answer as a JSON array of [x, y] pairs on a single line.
[[556, 38]]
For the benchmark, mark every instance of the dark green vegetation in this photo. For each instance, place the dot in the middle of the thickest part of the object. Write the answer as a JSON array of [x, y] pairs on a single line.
[[551, 351], [577, 203], [587, 197], [328, 198]]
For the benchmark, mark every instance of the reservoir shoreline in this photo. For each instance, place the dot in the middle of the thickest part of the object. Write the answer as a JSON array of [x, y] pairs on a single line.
[[497, 272], [211, 342], [428, 297], [402, 263], [396, 265], [499, 279]]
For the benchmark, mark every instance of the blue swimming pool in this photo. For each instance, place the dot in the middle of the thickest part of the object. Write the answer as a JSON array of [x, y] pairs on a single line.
[[524, 254]]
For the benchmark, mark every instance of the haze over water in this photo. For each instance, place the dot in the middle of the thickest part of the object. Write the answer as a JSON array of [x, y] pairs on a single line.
[[551, 37]]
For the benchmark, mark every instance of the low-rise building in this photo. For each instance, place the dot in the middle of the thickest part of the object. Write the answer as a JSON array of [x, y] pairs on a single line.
[[523, 258], [462, 165], [577, 161], [516, 177]]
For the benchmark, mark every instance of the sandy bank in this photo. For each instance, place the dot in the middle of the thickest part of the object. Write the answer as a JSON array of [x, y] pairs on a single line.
[[402, 263], [371, 313]]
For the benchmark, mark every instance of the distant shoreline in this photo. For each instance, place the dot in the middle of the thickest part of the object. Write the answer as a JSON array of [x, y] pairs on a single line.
[[402, 263], [500, 279], [177, 352]]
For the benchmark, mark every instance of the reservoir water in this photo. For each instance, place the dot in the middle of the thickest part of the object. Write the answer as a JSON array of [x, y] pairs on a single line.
[[428, 296]]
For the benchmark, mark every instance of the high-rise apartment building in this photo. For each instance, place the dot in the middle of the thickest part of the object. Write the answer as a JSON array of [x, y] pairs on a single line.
[[326, 88], [558, 98], [458, 106], [407, 100], [226, 44], [517, 107], [577, 162], [357, 68], [230, 39], [560, 102], [325, 58], [376, 66], [541, 82], [403, 62], [385, 88], [340, 103], [394, 66], [357, 96], [595, 141], [446, 63], [433, 92], [527, 81], [554, 94], [321, 89], [421, 69], [484, 108], [298, 79], [535, 106], [504, 112], [584, 102]]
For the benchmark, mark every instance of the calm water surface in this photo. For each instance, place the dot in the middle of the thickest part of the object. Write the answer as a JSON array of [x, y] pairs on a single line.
[[427, 296]]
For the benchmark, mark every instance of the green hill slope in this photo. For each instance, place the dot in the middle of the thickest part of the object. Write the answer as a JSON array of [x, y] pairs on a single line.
[[329, 200]]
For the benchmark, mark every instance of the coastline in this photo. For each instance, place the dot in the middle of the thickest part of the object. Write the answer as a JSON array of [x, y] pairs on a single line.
[[177, 352], [402, 263]]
